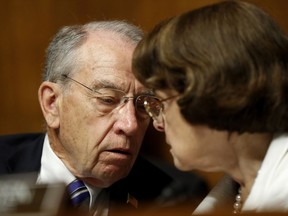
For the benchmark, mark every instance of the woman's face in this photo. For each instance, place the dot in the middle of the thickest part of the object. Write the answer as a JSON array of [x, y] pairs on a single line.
[[192, 146]]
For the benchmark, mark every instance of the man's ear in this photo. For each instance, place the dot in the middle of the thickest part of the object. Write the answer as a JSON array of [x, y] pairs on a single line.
[[48, 95]]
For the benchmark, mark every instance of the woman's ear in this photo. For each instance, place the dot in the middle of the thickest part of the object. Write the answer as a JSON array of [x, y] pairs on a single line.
[[158, 126], [48, 95]]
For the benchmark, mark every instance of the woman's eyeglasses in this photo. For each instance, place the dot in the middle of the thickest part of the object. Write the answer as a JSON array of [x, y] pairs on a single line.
[[154, 107]]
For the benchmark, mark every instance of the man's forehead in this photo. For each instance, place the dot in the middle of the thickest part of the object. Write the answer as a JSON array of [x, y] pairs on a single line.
[[103, 52], [107, 58]]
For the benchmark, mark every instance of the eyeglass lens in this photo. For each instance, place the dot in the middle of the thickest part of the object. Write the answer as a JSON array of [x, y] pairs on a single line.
[[153, 107]]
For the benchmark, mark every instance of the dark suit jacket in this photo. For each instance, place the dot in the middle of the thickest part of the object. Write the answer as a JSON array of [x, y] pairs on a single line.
[[22, 154]]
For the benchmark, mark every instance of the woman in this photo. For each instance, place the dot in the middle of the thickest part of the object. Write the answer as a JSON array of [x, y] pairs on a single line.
[[220, 75]]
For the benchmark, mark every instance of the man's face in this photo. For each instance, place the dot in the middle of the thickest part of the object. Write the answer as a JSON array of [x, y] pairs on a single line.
[[100, 147]]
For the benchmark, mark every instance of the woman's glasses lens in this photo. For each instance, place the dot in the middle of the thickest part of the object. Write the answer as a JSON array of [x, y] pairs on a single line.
[[150, 105]]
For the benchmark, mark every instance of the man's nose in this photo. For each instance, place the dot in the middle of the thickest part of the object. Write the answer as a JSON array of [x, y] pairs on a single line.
[[127, 121]]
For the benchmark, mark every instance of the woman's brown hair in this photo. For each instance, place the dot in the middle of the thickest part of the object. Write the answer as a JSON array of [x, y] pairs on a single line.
[[229, 63]]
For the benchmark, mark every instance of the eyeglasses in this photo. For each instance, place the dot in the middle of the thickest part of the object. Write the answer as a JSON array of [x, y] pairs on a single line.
[[154, 107], [108, 99]]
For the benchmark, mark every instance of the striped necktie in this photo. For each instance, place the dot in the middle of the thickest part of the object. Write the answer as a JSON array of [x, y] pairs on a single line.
[[78, 193]]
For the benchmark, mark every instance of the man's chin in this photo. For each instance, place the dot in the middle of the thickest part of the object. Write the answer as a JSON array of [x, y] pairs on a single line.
[[107, 178]]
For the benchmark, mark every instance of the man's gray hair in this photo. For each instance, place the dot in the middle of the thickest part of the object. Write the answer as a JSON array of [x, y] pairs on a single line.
[[61, 54]]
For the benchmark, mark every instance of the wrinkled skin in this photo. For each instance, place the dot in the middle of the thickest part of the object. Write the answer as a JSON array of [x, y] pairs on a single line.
[[98, 148]]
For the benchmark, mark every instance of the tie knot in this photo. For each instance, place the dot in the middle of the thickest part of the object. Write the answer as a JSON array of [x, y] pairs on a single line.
[[78, 192]]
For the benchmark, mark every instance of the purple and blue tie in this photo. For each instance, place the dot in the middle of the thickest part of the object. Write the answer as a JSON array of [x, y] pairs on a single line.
[[78, 192]]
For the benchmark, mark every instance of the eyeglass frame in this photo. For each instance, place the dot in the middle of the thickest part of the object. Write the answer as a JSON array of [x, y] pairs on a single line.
[[122, 102], [152, 114]]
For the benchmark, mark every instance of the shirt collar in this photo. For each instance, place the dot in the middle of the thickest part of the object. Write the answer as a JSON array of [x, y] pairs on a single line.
[[54, 171]]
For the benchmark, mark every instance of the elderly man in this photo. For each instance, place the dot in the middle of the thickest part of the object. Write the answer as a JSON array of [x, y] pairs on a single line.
[[95, 120]]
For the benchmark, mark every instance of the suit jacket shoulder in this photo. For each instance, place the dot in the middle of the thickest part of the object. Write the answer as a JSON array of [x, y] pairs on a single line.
[[21, 153]]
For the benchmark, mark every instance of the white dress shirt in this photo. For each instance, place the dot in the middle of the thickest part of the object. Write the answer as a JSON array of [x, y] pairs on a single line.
[[54, 171], [269, 191]]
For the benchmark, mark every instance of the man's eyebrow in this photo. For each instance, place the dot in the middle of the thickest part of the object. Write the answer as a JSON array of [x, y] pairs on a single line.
[[105, 84], [108, 84]]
